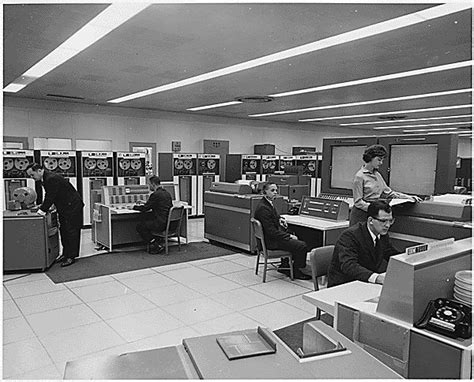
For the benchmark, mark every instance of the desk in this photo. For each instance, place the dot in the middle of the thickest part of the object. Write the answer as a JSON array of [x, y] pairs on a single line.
[[116, 224], [327, 231]]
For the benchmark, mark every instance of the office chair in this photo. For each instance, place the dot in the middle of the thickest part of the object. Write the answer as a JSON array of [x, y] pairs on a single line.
[[173, 226], [320, 258], [267, 253]]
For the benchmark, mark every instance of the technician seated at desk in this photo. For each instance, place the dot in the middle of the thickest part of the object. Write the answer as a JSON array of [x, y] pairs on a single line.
[[160, 202], [363, 250], [276, 236]]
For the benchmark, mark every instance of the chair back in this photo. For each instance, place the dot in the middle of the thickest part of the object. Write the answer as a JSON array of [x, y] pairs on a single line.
[[175, 217], [258, 233], [320, 259]]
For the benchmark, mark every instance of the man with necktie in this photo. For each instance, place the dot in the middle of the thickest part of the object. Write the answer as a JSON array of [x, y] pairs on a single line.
[[363, 250]]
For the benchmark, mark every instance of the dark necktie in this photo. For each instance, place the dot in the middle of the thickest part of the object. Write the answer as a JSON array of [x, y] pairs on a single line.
[[378, 247]]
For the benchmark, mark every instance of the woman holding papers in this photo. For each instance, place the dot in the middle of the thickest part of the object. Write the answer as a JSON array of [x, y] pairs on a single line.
[[368, 184]]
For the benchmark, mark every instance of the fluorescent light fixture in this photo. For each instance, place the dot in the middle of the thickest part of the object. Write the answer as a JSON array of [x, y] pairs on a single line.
[[13, 87], [406, 120], [424, 130], [387, 113], [369, 80], [105, 22], [357, 34], [213, 106], [422, 125], [372, 102]]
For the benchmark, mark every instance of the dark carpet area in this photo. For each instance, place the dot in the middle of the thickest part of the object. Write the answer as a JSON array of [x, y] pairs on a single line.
[[124, 261]]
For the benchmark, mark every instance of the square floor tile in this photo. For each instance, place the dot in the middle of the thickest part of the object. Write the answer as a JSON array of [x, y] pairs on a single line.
[[171, 294], [24, 278], [101, 291], [10, 310], [197, 310], [298, 302], [33, 288], [185, 275], [228, 323], [247, 277], [82, 340], [150, 281], [222, 267], [6, 295], [276, 314], [212, 285], [48, 373], [248, 261], [47, 301], [243, 298], [120, 306], [172, 338], [61, 319], [144, 324], [24, 356], [16, 329], [171, 267], [89, 281], [127, 275], [200, 262], [279, 289]]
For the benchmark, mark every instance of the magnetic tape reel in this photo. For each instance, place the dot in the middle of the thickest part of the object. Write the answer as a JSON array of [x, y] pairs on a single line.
[[311, 166], [188, 164], [21, 163], [50, 163], [135, 164], [64, 163], [90, 163], [253, 164], [178, 164], [211, 164], [102, 164], [272, 165], [265, 165], [124, 164], [7, 164]]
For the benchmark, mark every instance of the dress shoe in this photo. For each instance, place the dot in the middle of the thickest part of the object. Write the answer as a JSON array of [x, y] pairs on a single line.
[[297, 274], [67, 262], [155, 249], [284, 271], [59, 259]]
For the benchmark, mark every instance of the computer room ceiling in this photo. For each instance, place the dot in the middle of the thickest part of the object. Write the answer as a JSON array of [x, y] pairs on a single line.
[[429, 61]]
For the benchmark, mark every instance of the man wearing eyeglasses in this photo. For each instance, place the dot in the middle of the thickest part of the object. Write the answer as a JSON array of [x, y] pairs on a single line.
[[363, 250]]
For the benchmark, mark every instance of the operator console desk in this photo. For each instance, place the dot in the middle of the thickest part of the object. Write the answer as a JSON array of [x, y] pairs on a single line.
[[115, 221], [320, 221]]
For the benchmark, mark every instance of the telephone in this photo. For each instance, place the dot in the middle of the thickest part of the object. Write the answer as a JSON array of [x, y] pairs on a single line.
[[447, 317]]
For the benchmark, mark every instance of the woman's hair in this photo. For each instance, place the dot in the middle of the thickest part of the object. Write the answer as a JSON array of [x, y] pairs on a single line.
[[374, 151]]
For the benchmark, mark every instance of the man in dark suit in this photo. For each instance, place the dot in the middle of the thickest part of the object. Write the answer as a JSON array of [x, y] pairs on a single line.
[[160, 202], [363, 250], [276, 235], [69, 205]]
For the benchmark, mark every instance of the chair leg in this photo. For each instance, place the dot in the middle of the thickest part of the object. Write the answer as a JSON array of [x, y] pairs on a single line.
[[265, 269], [179, 244], [258, 262], [291, 268], [166, 245]]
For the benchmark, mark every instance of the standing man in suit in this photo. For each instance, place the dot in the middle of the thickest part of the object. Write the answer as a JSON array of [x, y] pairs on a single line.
[[160, 202], [276, 235], [69, 205], [363, 250]]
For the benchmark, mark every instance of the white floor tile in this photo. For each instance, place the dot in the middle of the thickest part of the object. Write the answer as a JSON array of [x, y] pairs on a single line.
[[198, 310], [127, 275], [199, 263], [58, 320], [222, 267], [241, 299], [16, 329], [276, 314], [120, 306], [49, 372], [171, 338], [101, 291], [79, 341], [212, 285], [247, 277], [185, 275], [298, 302], [172, 267], [33, 288], [171, 294], [279, 289], [47, 301], [89, 281], [248, 261], [144, 324], [24, 356], [227, 323], [10, 310], [11, 279], [150, 281], [6, 295]]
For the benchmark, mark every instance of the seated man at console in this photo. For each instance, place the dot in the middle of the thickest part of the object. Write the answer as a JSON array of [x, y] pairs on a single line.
[[160, 202], [363, 250], [276, 235]]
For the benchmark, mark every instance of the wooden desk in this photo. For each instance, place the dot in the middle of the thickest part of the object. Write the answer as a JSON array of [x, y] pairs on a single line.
[[116, 224], [305, 227], [349, 293]]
